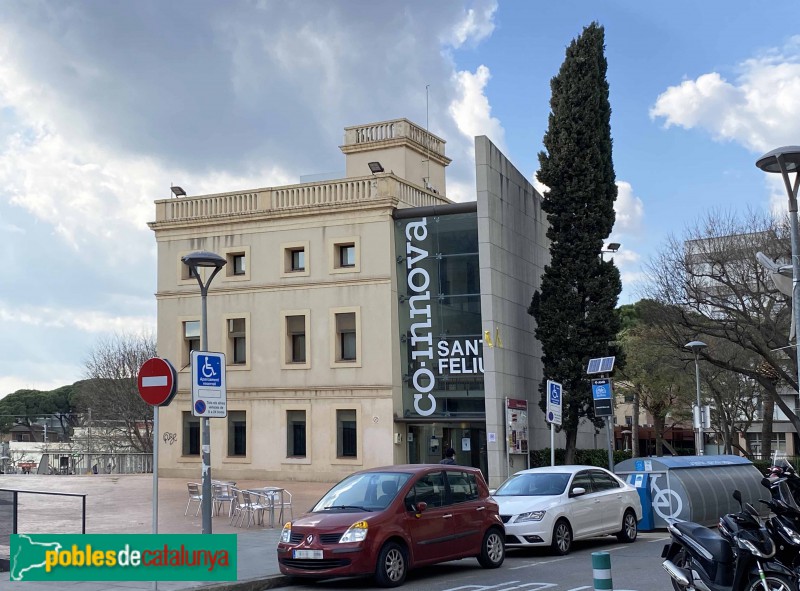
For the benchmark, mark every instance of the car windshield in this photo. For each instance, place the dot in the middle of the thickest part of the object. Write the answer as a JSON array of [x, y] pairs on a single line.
[[533, 485], [370, 491]]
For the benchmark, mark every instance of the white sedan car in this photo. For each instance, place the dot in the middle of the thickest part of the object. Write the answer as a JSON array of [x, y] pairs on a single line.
[[553, 506]]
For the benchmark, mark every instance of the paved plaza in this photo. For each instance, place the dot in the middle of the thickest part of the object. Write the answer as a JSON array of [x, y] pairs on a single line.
[[122, 504]]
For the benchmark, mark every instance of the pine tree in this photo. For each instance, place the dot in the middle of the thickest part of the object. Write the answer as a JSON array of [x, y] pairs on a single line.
[[575, 306]]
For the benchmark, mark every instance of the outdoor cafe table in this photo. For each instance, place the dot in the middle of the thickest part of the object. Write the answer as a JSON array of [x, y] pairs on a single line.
[[273, 494]]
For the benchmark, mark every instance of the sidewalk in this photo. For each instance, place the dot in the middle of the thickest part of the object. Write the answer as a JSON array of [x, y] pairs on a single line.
[[122, 504]]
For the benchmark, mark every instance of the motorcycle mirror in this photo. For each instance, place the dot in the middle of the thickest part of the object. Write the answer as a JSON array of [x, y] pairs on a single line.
[[738, 496]]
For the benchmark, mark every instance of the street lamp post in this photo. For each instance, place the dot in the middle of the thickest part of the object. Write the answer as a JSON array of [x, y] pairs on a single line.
[[695, 346], [195, 261], [785, 160]]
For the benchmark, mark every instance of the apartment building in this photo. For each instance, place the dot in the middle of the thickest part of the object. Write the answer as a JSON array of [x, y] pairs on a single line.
[[353, 314]]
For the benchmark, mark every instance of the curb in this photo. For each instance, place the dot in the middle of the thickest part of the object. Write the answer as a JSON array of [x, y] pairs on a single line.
[[271, 582]]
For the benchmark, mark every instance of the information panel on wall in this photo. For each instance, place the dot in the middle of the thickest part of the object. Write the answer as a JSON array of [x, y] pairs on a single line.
[[517, 425]]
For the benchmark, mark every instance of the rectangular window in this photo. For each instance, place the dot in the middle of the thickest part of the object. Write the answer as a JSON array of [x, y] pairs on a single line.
[[191, 434], [629, 420], [346, 434], [237, 433], [298, 259], [239, 264], [191, 339], [237, 340], [347, 255], [296, 333], [344, 254], [346, 336], [296, 433]]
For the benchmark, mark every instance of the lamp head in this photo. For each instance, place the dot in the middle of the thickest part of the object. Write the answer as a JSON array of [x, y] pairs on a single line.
[[612, 247], [203, 258], [789, 154], [695, 345], [178, 191], [375, 167]]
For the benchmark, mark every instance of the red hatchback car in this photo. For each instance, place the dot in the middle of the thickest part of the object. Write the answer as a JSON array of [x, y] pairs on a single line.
[[385, 521]]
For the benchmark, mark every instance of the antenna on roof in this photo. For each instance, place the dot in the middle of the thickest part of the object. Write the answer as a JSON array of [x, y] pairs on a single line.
[[427, 139]]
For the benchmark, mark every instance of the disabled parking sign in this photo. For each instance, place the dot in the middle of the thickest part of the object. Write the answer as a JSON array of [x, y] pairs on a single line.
[[209, 394]]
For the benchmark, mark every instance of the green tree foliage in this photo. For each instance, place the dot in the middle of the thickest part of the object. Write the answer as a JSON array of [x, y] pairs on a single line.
[[655, 374], [575, 306], [26, 406]]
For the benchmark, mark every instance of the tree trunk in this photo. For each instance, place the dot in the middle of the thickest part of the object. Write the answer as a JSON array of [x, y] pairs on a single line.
[[768, 412], [658, 427], [572, 440]]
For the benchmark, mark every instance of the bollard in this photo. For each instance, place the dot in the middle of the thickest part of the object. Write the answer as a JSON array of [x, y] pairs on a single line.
[[601, 571]]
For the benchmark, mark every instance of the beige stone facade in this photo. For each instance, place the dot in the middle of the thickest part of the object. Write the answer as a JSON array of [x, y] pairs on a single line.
[[307, 266]]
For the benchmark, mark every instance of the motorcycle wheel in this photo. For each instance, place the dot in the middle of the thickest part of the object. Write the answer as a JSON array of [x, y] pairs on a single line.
[[774, 581], [681, 560]]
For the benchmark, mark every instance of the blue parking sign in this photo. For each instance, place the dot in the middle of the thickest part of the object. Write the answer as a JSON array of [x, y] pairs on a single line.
[[553, 402]]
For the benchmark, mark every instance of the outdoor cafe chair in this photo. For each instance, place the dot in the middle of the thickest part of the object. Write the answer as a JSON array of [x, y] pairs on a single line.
[[194, 496], [253, 507], [221, 494], [237, 506]]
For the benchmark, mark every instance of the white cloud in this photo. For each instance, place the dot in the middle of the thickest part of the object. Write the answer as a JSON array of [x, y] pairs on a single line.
[[759, 109], [471, 111], [629, 210], [476, 24], [103, 107]]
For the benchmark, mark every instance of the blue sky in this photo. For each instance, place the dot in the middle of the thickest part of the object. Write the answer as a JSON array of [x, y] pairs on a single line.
[[104, 105]]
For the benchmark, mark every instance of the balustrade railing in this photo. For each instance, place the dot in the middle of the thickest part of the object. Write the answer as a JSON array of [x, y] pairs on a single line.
[[350, 190]]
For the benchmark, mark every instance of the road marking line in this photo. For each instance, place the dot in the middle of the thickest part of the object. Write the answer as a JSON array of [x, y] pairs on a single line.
[[660, 539], [612, 549], [538, 563], [580, 588]]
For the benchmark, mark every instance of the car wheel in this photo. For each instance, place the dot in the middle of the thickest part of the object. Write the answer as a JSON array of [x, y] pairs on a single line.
[[493, 550], [392, 565], [629, 530], [562, 537]]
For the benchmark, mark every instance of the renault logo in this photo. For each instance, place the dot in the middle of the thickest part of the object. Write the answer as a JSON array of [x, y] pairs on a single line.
[[309, 538]]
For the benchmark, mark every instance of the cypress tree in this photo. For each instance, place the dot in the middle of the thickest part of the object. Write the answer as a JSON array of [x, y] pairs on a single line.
[[575, 307]]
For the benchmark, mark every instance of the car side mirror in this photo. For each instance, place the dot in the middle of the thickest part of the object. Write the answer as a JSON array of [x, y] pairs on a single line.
[[577, 491], [421, 506]]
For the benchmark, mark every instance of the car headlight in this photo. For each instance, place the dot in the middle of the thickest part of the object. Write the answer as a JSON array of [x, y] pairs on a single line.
[[286, 533], [530, 516], [355, 533]]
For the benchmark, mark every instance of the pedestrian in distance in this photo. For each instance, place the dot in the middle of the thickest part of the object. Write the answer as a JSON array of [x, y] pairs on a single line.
[[449, 456]]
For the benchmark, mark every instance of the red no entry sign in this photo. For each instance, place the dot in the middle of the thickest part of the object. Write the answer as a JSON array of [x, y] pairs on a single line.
[[158, 382]]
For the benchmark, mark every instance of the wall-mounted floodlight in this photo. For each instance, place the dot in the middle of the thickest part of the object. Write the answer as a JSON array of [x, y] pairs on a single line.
[[178, 191], [375, 167], [612, 247]]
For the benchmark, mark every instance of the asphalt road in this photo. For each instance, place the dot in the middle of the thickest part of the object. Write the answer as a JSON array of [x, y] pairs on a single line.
[[634, 567]]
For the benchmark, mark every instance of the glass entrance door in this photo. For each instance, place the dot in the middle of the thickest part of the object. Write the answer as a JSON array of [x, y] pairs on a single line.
[[428, 442]]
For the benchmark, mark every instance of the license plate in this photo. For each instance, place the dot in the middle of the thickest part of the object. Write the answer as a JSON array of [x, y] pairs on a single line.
[[313, 554]]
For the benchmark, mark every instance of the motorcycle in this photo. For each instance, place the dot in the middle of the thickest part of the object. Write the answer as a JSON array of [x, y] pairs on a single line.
[[784, 523], [738, 558], [782, 469]]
